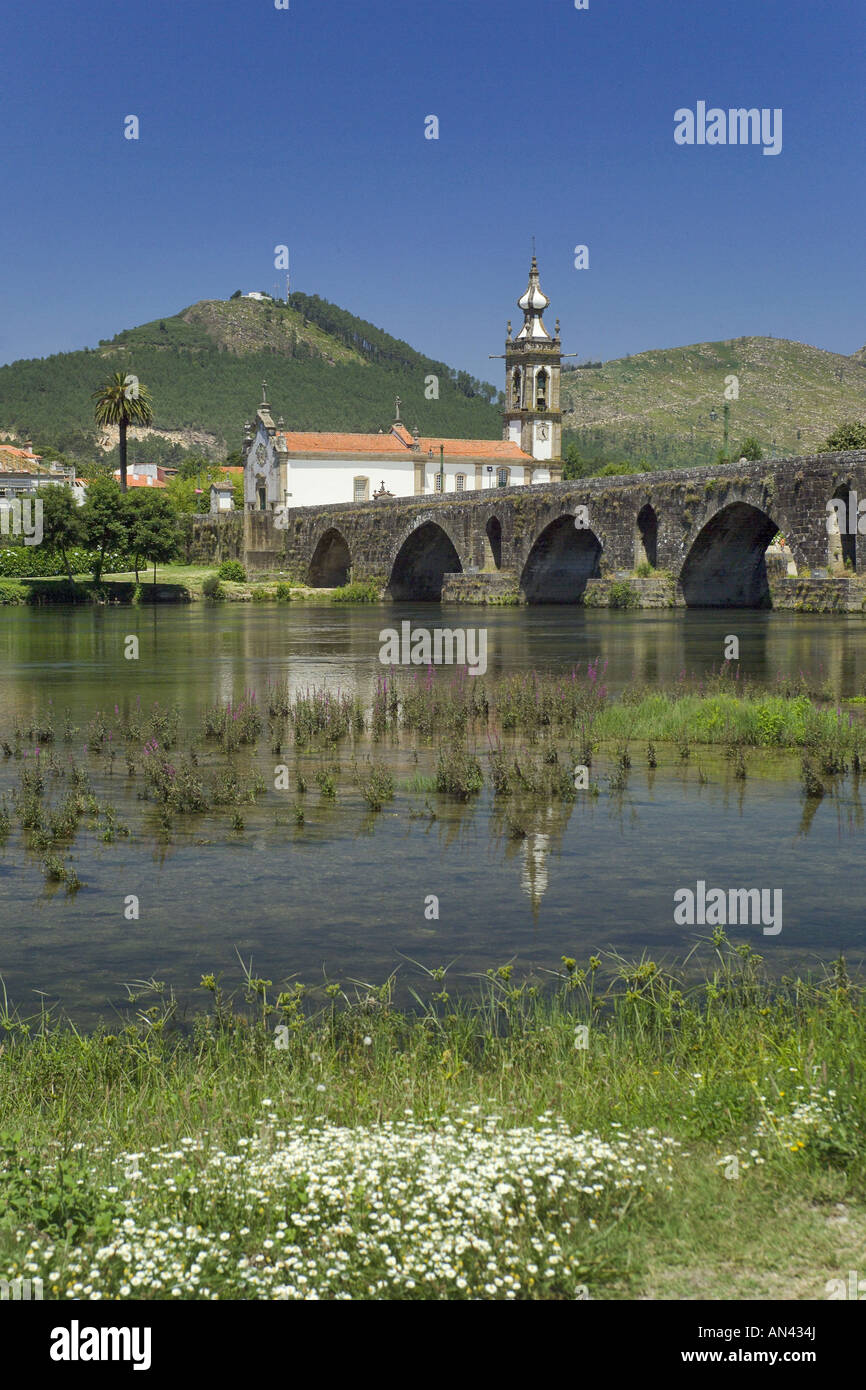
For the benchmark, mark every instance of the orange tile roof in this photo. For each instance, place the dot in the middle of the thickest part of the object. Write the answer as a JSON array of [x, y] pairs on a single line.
[[24, 454], [399, 442], [140, 480]]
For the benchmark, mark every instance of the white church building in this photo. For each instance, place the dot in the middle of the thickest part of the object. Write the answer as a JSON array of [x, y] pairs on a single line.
[[290, 468]]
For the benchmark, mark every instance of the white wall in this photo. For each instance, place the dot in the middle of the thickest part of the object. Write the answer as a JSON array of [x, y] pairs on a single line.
[[321, 480]]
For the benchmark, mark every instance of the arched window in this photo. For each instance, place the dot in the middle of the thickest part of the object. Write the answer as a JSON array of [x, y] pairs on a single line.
[[460, 482], [439, 482], [362, 490], [515, 389], [541, 390], [502, 477]]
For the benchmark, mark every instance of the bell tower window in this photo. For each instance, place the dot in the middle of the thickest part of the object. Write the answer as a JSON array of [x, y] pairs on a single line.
[[541, 390]]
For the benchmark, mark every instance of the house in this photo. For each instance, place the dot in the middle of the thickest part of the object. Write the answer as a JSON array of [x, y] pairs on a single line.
[[22, 472], [143, 475], [222, 497]]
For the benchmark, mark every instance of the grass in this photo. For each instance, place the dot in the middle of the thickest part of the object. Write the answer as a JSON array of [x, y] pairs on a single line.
[[688, 1132], [187, 582], [359, 591]]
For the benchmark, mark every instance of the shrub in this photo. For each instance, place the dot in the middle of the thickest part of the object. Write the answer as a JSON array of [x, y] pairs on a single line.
[[459, 774], [211, 587], [622, 595], [233, 571], [361, 591], [38, 562]]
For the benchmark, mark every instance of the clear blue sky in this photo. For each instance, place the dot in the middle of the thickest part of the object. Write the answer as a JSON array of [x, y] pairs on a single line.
[[306, 127]]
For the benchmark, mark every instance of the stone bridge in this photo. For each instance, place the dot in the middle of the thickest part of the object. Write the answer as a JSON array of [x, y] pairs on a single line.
[[703, 533]]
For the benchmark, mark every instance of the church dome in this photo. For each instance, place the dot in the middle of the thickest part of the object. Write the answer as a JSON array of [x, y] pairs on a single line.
[[534, 300], [533, 304]]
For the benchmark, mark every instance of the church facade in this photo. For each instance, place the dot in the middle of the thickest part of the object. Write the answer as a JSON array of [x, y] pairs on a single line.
[[289, 468]]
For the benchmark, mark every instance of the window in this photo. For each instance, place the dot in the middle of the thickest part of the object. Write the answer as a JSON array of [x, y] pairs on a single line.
[[460, 482], [541, 390], [362, 489], [262, 499], [439, 482], [502, 477]]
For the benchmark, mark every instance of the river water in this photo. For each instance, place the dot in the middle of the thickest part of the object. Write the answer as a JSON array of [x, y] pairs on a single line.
[[347, 895]]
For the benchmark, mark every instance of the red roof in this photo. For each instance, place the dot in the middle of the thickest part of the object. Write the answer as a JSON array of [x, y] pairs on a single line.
[[399, 443], [140, 480]]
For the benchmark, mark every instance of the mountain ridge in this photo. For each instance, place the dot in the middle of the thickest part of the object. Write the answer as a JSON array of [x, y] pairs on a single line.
[[327, 369]]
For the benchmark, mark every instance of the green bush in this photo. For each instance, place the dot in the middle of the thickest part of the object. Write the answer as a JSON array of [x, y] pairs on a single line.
[[38, 562], [232, 570], [211, 587], [622, 595], [284, 592], [361, 591]]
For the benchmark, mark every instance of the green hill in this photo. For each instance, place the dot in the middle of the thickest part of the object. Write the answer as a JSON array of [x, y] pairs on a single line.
[[325, 368], [656, 405]]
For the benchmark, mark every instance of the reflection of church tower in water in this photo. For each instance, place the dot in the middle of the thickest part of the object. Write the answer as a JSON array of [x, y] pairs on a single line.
[[533, 875], [532, 416]]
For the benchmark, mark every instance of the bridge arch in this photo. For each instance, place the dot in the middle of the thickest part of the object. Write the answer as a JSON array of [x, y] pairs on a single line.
[[563, 557], [493, 545], [725, 566], [841, 536], [422, 560], [646, 536], [331, 564]]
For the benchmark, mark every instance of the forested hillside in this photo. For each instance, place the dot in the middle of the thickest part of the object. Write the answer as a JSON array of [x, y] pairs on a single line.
[[658, 407], [325, 368]]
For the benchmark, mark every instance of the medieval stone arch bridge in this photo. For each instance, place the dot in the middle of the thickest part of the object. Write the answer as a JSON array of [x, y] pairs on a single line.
[[704, 532]]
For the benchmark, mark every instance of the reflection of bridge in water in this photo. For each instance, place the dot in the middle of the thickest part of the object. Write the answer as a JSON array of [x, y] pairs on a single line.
[[709, 529]]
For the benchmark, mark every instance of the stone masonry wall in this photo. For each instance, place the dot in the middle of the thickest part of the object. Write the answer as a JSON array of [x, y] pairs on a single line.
[[792, 493]]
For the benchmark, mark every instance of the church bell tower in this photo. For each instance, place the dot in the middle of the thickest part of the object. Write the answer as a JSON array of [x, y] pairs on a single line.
[[532, 415]]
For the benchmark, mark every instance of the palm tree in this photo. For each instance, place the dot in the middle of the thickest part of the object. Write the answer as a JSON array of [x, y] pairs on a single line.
[[122, 401]]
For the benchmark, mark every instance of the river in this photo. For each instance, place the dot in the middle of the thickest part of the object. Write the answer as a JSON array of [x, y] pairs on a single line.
[[348, 894]]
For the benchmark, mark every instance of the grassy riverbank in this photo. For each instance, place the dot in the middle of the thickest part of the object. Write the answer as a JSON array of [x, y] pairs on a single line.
[[173, 584], [651, 1138]]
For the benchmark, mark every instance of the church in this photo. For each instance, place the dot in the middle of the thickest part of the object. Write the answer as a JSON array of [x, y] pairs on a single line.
[[288, 468]]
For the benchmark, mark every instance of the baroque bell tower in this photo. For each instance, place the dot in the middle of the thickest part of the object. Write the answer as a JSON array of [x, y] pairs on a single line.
[[532, 415]]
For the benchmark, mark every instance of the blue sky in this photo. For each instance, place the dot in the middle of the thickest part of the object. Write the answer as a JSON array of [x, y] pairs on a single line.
[[305, 127]]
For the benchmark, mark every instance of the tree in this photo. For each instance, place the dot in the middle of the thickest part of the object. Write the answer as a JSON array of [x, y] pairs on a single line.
[[237, 482], [850, 435], [236, 295], [102, 515], [185, 495], [573, 465], [750, 449], [151, 524], [62, 527], [192, 465], [122, 401]]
